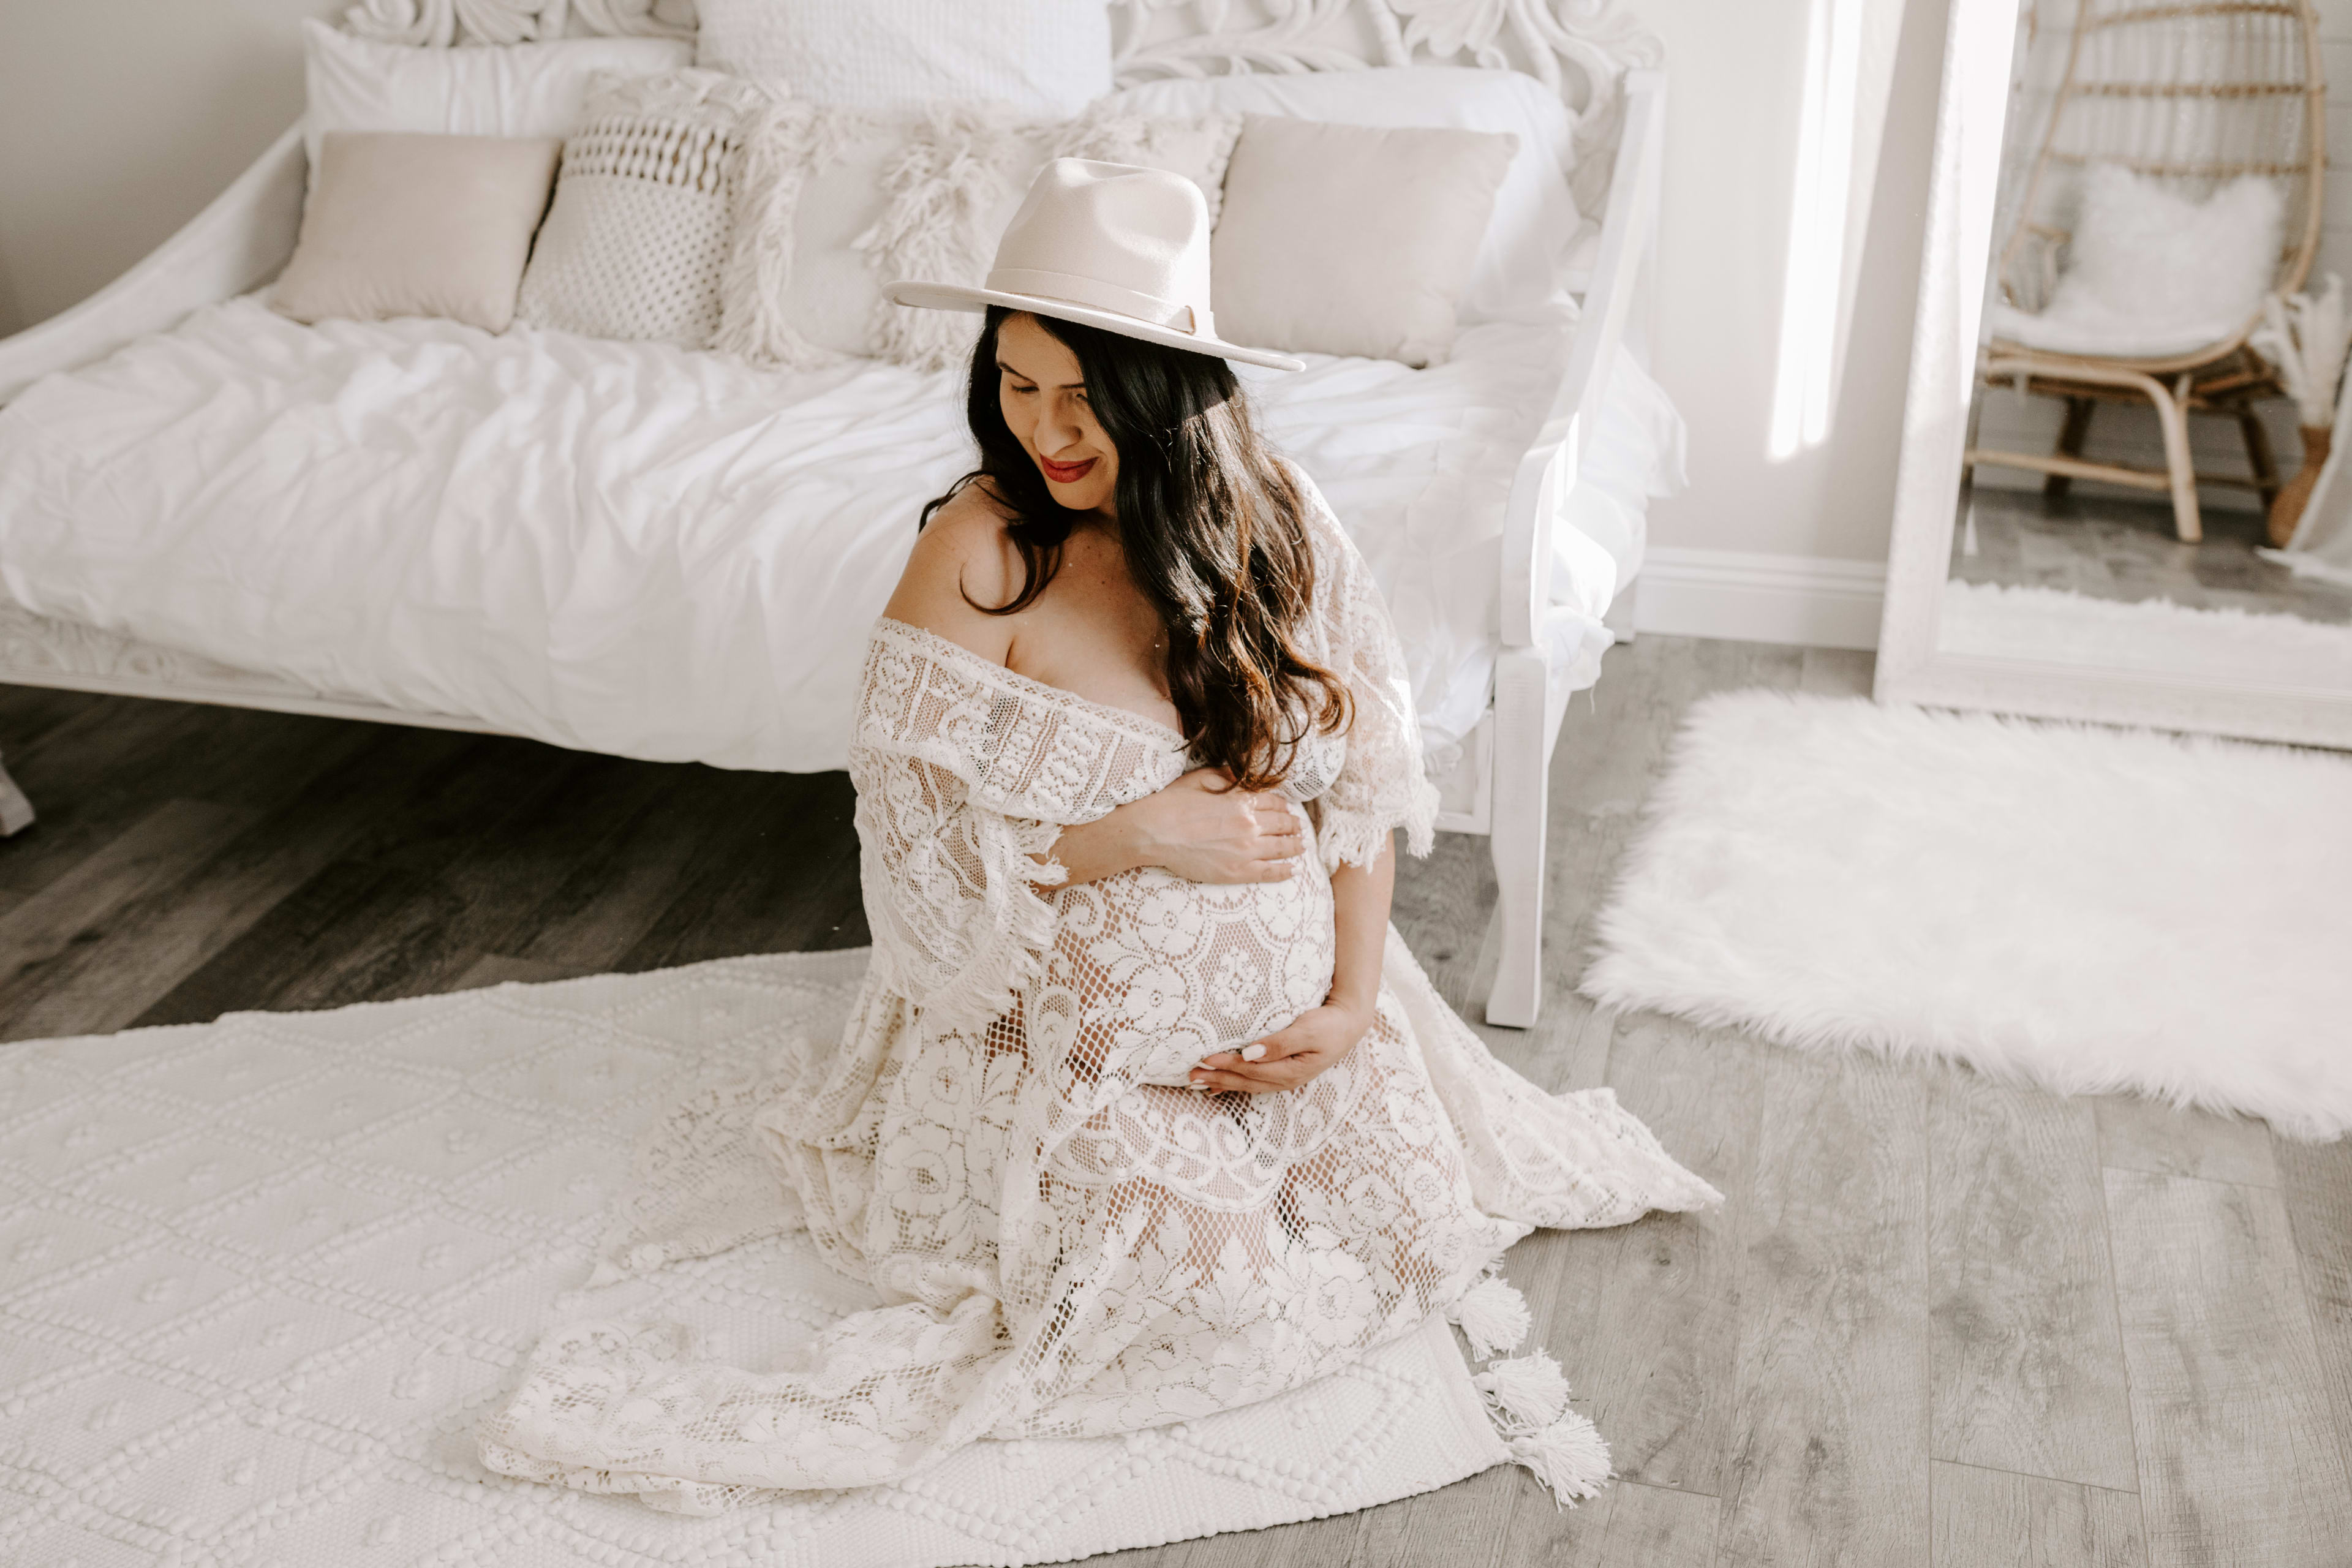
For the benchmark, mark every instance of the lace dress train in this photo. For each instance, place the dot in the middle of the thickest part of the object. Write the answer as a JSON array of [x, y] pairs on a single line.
[[1066, 1240]]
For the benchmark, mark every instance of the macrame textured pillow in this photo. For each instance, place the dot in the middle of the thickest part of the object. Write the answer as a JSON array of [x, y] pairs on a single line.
[[636, 241], [835, 204]]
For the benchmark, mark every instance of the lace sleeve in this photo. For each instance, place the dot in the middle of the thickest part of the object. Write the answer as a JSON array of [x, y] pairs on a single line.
[[965, 775], [1382, 785], [950, 889]]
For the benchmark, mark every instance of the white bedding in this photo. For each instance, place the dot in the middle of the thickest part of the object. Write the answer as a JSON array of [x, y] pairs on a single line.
[[640, 550]]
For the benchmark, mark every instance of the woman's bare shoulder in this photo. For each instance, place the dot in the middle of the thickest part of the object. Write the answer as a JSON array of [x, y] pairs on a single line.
[[961, 560]]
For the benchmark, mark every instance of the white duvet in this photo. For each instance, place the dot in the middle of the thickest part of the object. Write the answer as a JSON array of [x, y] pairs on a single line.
[[641, 550]]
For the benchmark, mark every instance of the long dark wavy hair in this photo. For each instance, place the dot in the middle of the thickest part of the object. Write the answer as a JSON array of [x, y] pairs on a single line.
[[1214, 532]]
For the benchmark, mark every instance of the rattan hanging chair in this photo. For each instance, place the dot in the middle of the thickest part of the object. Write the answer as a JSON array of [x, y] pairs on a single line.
[[2193, 94]]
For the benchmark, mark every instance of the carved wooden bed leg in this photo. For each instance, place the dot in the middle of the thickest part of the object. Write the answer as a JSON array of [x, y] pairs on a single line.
[[1517, 829], [16, 811]]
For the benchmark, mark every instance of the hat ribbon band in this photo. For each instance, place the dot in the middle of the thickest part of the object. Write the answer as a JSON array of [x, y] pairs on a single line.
[[1072, 289]]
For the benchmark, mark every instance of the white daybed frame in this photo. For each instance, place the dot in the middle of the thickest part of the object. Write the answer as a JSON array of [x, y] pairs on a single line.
[[1610, 85]]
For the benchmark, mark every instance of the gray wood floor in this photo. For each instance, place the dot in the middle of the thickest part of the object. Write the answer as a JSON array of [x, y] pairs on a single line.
[[2111, 547], [1938, 1321]]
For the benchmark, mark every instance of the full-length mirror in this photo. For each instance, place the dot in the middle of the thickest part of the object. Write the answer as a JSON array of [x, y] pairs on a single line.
[[2118, 500]]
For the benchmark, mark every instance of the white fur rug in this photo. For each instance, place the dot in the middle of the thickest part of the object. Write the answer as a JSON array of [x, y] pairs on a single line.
[[1990, 620], [261, 1278], [2090, 909]]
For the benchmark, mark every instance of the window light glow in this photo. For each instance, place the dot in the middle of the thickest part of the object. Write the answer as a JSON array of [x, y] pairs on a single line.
[[1814, 279]]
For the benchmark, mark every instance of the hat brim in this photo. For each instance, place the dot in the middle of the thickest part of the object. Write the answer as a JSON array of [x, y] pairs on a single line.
[[955, 297]]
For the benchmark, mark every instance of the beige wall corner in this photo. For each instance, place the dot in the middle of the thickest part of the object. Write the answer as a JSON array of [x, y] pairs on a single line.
[[120, 120]]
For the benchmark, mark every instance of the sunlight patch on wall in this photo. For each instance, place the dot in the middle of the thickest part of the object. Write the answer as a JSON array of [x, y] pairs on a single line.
[[1849, 69]]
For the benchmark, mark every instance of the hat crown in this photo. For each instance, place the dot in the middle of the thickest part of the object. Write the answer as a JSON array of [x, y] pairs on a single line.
[[1115, 237]]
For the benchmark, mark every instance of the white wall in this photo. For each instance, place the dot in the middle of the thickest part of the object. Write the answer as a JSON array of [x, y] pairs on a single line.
[[1793, 549], [119, 119]]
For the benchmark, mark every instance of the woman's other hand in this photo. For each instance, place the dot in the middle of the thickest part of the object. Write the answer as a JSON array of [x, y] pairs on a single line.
[[1319, 1039], [1203, 829], [1199, 828]]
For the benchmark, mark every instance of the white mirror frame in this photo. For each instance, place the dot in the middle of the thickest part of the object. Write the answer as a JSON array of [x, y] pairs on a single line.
[[1954, 262]]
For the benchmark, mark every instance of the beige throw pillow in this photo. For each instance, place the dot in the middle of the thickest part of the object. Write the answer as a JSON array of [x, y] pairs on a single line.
[[1348, 240], [408, 224]]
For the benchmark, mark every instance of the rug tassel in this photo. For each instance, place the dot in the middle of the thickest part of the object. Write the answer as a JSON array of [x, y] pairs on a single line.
[[1566, 1456], [1523, 1394], [1494, 1316]]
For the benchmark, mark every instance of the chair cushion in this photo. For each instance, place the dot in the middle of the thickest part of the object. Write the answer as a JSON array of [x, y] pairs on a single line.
[[2153, 272]]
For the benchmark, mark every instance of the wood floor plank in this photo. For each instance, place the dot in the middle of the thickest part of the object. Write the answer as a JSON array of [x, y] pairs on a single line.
[[174, 926], [29, 712], [1831, 1393], [89, 780], [458, 788], [2238, 1461], [1655, 1527], [1646, 1318], [49, 931], [2141, 1134], [609, 902], [2029, 1365], [783, 877], [1988, 1519], [497, 969], [2315, 1184]]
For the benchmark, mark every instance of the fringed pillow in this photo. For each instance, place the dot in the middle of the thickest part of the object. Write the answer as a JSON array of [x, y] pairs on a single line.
[[835, 204], [636, 242]]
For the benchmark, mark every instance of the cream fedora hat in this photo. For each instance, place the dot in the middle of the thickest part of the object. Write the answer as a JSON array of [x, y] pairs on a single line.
[[1109, 246]]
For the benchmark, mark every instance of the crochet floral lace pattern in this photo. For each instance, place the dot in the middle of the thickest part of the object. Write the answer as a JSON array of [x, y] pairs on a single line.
[[1067, 1248]]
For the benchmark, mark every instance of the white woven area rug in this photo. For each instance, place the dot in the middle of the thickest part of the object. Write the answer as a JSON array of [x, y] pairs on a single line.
[[260, 1279], [2090, 909]]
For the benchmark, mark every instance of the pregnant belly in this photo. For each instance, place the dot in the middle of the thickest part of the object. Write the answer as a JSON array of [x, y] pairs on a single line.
[[1149, 972]]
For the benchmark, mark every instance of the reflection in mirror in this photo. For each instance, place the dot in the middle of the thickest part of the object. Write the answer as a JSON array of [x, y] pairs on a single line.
[[2149, 484]]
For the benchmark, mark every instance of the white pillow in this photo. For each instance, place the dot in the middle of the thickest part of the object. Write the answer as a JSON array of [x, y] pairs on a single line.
[[836, 204], [2153, 272], [1535, 223], [513, 90], [637, 240], [1047, 58]]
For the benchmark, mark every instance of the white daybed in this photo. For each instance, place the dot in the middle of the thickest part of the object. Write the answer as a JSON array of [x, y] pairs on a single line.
[[665, 554]]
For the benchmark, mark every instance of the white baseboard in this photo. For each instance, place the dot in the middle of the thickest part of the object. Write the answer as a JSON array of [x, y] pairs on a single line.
[[1818, 601]]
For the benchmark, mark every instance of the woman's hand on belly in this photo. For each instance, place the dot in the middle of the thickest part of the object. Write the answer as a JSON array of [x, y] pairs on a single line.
[[1199, 829], [1317, 1039]]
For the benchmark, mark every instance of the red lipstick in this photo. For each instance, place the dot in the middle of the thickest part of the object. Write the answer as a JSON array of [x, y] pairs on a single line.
[[1066, 473]]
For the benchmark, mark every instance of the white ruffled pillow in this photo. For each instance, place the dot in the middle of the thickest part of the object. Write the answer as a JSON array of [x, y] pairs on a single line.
[[835, 204], [635, 243], [2152, 272], [1046, 58]]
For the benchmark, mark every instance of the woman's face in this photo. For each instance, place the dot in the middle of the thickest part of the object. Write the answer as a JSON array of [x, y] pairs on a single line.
[[1044, 396]]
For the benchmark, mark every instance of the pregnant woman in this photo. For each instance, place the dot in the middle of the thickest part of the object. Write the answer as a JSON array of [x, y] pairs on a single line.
[[1144, 1111]]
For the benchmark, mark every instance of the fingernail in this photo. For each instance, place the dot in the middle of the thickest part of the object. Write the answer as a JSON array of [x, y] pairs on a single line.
[[1252, 1053], [1198, 1088]]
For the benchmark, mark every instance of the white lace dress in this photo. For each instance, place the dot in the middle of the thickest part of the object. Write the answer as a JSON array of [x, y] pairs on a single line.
[[1068, 1240]]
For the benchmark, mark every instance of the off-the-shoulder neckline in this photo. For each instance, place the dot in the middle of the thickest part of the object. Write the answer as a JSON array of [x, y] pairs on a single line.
[[1125, 717]]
